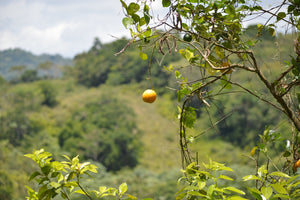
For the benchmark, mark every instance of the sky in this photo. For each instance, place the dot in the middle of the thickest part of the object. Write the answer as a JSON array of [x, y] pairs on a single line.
[[65, 27]]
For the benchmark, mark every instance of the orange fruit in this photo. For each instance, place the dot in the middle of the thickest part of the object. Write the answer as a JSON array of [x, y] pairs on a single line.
[[296, 165], [149, 96], [226, 64]]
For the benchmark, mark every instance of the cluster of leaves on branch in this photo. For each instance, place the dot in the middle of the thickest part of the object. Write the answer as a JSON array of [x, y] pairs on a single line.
[[63, 178], [214, 43], [218, 48]]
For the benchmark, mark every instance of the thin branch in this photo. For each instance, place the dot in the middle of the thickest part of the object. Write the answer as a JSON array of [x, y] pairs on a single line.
[[85, 192], [283, 74], [253, 94], [290, 86]]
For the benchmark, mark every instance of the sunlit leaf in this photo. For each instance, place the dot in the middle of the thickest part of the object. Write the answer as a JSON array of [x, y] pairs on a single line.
[[127, 22], [267, 192], [278, 173], [250, 177], [252, 152], [279, 188], [122, 188], [233, 189]]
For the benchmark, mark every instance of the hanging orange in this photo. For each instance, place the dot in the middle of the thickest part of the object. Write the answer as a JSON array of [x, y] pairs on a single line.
[[149, 96], [296, 165]]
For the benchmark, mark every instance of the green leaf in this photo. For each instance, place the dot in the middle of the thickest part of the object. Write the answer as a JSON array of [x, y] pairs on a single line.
[[255, 193], [124, 4], [136, 18], [272, 31], [279, 196], [233, 189], [70, 176], [147, 18], [133, 8], [252, 152], [60, 177], [55, 185], [31, 156], [80, 192], [236, 198], [195, 193], [57, 166], [262, 171], [34, 174], [250, 177], [225, 177], [189, 117], [67, 157], [122, 188], [211, 190], [279, 188], [46, 169], [267, 192], [71, 184], [177, 74], [166, 3], [225, 83], [132, 197], [201, 184], [127, 22], [280, 16], [281, 174], [92, 168]]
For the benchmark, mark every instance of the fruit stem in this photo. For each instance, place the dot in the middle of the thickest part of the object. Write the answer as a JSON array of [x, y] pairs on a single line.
[[149, 68]]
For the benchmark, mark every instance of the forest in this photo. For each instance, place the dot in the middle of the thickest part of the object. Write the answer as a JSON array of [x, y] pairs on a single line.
[[91, 107]]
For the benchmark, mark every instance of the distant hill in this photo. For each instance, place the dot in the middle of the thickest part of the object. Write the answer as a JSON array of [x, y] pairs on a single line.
[[17, 57]]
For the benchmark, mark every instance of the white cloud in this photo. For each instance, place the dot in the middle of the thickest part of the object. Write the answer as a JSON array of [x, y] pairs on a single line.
[[66, 27]]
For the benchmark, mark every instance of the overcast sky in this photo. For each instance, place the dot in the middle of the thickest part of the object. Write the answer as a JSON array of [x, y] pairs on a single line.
[[66, 27]]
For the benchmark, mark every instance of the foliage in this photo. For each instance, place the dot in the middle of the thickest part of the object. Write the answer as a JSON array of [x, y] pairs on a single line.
[[14, 126], [271, 181], [114, 143], [64, 178], [203, 183], [100, 65], [49, 94], [6, 186], [219, 47], [29, 76]]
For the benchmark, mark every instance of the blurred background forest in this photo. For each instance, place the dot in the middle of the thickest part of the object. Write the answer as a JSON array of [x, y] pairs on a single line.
[[91, 106]]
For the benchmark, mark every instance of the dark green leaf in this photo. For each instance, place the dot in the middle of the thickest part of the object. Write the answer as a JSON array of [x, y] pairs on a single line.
[[291, 8], [133, 8], [71, 176], [46, 169], [33, 175], [124, 4], [280, 16], [136, 18], [166, 3]]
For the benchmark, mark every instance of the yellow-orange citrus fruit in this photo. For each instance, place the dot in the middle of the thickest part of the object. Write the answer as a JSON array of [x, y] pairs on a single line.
[[226, 64], [296, 165], [149, 96]]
